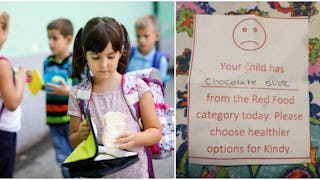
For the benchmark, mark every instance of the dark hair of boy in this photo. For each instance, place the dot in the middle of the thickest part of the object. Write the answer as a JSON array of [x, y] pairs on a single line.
[[63, 25]]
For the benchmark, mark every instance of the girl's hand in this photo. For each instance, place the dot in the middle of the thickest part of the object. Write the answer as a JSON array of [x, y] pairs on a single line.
[[21, 75], [29, 76], [84, 130], [126, 140]]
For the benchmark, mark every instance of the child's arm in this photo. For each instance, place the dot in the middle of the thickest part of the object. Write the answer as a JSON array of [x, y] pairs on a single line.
[[152, 130], [79, 130], [60, 90], [11, 94]]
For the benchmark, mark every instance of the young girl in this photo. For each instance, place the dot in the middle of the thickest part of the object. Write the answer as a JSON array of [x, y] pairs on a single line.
[[11, 91], [102, 47]]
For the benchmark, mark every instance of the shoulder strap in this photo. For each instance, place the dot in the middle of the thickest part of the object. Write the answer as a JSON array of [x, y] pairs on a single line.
[[132, 49], [1, 110], [84, 93], [130, 56], [68, 63], [3, 57], [157, 57], [6, 59], [13, 73], [131, 96], [45, 65], [130, 93]]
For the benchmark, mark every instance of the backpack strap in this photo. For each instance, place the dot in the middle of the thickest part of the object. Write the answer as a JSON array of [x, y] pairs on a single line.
[[46, 63], [1, 110], [131, 94], [130, 87], [132, 49], [84, 94], [157, 57]]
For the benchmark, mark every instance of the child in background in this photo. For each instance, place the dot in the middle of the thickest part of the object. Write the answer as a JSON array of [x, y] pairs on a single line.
[[101, 51], [56, 73], [145, 55], [11, 92]]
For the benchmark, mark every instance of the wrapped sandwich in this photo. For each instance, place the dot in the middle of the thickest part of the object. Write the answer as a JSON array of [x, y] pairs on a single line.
[[115, 125]]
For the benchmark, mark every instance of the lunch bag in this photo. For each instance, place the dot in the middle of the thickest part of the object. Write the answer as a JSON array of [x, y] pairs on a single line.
[[87, 159]]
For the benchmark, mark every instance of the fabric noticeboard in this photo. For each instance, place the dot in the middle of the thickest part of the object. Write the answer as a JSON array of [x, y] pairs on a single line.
[[298, 73]]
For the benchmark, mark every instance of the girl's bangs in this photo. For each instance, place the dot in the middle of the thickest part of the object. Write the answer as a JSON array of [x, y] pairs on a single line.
[[98, 39]]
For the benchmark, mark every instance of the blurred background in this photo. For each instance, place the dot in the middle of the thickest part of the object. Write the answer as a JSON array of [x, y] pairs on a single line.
[[28, 22], [27, 45]]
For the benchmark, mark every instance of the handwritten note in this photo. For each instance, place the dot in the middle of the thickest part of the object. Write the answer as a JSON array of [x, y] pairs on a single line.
[[248, 91]]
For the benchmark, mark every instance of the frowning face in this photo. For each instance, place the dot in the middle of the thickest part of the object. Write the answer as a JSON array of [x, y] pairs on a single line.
[[249, 34]]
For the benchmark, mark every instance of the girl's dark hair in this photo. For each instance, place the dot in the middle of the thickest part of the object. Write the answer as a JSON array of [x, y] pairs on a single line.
[[95, 37]]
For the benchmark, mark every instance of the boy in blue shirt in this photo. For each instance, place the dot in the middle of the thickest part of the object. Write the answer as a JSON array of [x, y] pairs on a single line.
[[145, 54]]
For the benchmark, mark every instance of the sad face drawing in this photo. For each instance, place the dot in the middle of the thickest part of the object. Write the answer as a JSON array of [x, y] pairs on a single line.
[[249, 34]]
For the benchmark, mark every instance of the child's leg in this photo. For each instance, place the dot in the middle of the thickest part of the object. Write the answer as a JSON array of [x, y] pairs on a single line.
[[8, 141], [61, 144]]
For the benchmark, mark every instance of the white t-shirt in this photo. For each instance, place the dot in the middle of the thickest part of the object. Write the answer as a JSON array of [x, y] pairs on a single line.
[[10, 121]]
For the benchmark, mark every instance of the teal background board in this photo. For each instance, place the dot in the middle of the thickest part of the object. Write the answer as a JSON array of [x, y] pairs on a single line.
[[28, 21]]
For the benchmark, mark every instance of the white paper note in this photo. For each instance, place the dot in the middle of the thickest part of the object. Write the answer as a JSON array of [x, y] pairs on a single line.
[[248, 91]]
